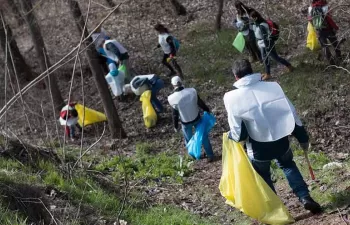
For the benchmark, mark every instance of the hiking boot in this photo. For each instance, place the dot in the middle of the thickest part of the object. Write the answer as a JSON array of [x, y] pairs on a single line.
[[266, 76], [311, 205], [171, 73]]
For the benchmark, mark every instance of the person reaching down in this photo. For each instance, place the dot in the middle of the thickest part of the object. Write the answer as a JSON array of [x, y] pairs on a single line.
[[185, 103]]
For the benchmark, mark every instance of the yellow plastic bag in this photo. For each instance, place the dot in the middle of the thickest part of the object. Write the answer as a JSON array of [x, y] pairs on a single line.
[[312, 41], [149, 114], [90, 117], [245, 190]]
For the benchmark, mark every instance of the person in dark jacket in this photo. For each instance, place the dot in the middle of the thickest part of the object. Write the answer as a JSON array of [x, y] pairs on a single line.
[[260, 114], [266, 44], [326, 28], [185, 103], [166, 42], [243, 23]]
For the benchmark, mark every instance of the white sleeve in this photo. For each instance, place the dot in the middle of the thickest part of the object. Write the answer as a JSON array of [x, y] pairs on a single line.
[[234, 122]]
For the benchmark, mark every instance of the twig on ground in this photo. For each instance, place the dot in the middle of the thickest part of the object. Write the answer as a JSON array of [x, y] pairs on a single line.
[[341, 216]]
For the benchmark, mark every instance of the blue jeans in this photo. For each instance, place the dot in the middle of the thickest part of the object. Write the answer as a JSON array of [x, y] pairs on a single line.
[[290, 169], [157, 105], [187, 130], [266, 53]]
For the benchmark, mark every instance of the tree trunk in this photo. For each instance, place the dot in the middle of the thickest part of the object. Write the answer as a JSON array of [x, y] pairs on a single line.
[[179, 9], [15, 10], [114, 122], [41, 52], [22, 68], [219, 15]]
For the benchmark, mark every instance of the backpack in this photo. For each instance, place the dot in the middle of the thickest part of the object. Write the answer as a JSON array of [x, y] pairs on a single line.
[[275, 30], [318, 18], [176, 43]]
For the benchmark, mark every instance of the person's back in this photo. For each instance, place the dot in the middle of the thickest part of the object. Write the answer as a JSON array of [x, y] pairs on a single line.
[[260, 114], [186, 102], [265, 109]]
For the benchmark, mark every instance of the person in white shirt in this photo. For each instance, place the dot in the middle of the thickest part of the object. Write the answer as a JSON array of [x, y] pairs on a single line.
[[261, 114], [167, 43], [185, 103], [266, 44], [117, 53], [141, 83]]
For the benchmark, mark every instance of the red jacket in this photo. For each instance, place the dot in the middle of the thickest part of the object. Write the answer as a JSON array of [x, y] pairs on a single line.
[[330, 22]]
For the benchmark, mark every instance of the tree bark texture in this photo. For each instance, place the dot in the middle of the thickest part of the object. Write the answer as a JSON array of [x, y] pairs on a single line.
[[41, 52], [22, 68], [219, 15], [114, 123]]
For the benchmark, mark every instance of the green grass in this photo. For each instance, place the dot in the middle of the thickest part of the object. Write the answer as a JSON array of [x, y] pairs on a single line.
[[147, 166], [209, 55], [8, 217], [81, 189]]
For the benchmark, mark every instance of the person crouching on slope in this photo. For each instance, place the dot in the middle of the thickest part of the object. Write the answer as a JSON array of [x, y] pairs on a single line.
[[260, 114], [142, 83], [185, 103], [266, 44], [166, 42], [69, 119]]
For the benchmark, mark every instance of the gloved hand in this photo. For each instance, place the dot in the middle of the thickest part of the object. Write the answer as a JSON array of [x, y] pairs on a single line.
[[305, 146], [171, 57]]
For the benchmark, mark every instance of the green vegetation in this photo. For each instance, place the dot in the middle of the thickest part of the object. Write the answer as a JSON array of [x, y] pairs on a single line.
[[147, 166], [209, 55]]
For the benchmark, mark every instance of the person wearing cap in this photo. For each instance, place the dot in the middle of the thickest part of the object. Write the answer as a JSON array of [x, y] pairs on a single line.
[[185, 103], [260, 114], [142, 83]]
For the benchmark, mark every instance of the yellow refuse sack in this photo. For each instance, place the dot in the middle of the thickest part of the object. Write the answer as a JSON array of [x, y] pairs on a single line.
[[90, 117], [245, 190], [312, 41], [149, 114]]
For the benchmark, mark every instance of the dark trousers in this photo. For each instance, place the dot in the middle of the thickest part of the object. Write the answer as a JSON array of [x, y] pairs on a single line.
[[252, 47], [175, 64], [271, 52], [290, 170], [329, 35]]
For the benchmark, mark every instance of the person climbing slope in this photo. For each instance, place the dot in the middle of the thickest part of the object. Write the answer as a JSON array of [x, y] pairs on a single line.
[[169, 46], [141, 83], [69, 119], [243, 23], [185, 103], [326, 28], [266, 43], [260, 114]]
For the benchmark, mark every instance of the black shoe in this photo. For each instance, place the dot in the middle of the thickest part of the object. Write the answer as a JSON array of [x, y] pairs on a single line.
[[311, 205]]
